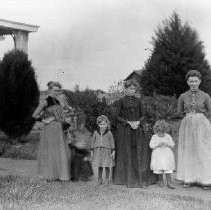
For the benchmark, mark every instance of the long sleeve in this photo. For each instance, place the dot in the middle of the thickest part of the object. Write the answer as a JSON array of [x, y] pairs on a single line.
[[39, 109], [119, 112], [111, 138], [180, 105], [93, 140], [153, 142], [141, 113], [208, 106]]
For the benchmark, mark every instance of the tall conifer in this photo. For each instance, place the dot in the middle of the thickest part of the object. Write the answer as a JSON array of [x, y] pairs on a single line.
[[176, 50]]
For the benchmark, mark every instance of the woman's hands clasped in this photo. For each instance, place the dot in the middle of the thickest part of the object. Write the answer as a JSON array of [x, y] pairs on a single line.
[[134, 124]]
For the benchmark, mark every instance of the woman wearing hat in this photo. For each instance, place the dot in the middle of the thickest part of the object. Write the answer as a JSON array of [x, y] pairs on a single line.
[[132, 147], [194, 146]]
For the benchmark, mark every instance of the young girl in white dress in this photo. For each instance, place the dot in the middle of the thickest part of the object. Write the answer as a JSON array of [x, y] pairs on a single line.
[[162, 159]]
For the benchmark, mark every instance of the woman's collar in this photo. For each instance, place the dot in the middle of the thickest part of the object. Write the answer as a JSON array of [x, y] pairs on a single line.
[[51, 96], [128, 95], [106, 131], [194, 91]]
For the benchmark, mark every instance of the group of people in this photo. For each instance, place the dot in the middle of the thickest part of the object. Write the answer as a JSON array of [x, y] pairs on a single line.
[[136, 158]]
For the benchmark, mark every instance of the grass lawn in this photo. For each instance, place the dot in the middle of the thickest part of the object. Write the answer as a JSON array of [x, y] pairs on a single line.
[[26, 150], [33, 193]]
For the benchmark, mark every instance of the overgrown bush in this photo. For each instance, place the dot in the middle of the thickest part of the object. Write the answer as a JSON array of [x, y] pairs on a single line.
[[155, 107], [115, 92], [81, 99], [26, 151], [100, 108], [159, 107]]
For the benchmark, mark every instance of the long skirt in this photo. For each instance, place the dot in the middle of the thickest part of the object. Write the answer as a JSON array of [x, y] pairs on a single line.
[[54, 154], [194, 150], [132, 158]]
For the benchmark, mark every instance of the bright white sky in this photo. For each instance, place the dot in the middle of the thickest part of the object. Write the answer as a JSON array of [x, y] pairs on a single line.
[[96, 42]]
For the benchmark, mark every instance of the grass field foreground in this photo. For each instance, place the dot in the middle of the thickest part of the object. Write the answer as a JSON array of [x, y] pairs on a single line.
[[34, 193]]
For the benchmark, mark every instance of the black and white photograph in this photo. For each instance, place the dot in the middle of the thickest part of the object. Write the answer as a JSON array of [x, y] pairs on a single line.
[[105, 104]]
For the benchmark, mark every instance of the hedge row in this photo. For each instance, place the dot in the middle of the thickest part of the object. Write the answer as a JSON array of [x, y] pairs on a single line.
[[156, 107]]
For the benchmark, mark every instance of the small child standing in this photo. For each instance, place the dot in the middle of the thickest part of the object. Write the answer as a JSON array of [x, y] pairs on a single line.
[[81, 168], [162, 160], [103, 148]]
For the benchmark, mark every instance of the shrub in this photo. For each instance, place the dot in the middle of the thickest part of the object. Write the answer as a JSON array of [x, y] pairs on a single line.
[[115, 92], [159, 107], [100, 108], [19, 94], [155, 106], [80, 99], [26, 151]]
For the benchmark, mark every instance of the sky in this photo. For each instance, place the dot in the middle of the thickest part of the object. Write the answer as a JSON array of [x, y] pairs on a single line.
[[95, 43]]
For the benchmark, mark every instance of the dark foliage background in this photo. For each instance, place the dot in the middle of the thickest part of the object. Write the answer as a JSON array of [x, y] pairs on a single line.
[[176, 49], [97, 109], [81, 99], [86, 101], [19, 94], [158, 107], [155, 106]]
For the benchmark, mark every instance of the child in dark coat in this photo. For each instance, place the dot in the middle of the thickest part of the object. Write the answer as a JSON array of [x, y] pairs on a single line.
[[81, 168]]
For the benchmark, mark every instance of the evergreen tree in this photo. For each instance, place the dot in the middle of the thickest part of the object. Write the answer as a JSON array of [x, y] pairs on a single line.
[[176, 50], [19, 94]]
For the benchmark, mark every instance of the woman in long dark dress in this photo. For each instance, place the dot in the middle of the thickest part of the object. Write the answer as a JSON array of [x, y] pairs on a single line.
[[132, 145]]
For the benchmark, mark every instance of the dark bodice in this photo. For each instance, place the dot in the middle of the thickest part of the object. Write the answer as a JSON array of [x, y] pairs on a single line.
[[129, 108], [53, 108], [51, 101]]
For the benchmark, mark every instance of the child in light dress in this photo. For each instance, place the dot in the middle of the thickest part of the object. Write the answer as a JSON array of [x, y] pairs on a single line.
[[162, 159], [103, 149]]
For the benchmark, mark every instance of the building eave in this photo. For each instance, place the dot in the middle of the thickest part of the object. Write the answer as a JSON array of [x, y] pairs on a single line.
[[8, 25], [136, 72]]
